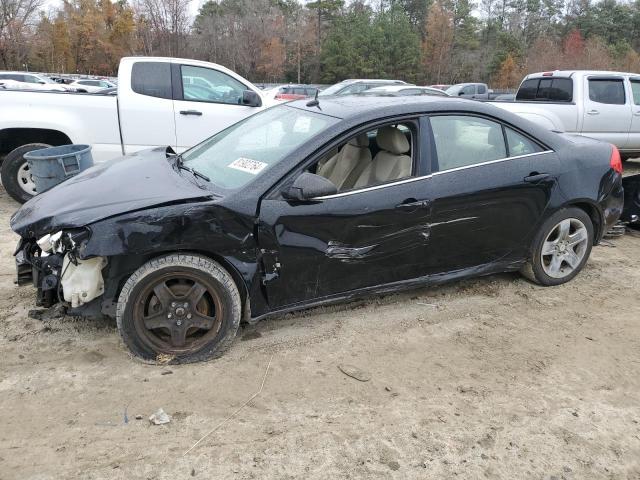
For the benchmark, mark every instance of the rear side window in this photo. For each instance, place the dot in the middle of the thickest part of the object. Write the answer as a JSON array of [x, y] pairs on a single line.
[[607, 90], [152, 79], [546, 89], [482, 89], [635, 89], [462, 141], [519, 144]]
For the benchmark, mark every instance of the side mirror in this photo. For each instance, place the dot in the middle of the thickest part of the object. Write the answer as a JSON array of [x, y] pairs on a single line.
[[308, 186], [251, 98], [460, 94]]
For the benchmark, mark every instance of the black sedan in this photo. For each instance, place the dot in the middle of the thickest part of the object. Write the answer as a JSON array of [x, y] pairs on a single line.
[[314, 202]]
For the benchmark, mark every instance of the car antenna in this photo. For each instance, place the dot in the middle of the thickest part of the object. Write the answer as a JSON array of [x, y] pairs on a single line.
[[315, 102]]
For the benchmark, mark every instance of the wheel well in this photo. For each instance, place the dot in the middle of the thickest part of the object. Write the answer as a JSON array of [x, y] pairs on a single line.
[[235, 275], [12, 138], [594, 215]]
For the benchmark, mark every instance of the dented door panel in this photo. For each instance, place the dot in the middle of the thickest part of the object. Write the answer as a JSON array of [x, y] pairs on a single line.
[[347, 242]]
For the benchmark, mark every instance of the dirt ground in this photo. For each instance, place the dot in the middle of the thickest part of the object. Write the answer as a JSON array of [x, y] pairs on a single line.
[[487, 378]]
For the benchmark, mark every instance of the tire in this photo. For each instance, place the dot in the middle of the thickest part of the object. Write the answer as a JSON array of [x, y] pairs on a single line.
[[11, 168], [541, 268], [174, 294]]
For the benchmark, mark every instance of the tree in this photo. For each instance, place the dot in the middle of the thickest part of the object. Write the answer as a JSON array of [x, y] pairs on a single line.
[[509, 74], [438, 43], [16, 21]]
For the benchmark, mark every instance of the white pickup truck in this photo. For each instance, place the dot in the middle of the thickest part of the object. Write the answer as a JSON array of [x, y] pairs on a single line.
[[598, 104], [159, 101]]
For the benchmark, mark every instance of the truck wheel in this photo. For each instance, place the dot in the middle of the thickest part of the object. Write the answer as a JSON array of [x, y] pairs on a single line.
[[16, 178], [183, 307], [561, 248]]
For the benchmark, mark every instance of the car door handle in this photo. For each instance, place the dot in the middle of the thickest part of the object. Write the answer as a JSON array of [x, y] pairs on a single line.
[[411, 205], [190, 112], [593, 112], [535, 177], [637, 114]]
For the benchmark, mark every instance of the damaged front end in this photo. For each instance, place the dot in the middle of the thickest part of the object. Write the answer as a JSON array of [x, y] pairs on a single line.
[[53, 264]]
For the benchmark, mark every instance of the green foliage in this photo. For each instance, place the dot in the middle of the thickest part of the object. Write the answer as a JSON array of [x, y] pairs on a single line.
[[365, 44]]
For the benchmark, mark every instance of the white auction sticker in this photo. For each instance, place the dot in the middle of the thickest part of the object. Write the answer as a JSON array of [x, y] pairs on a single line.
[[248, 165]]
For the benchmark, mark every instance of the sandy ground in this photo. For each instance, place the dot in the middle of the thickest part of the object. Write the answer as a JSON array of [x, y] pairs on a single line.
[[488, 378]]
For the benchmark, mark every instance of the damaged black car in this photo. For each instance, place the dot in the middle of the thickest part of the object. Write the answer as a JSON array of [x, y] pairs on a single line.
[[309, 203]]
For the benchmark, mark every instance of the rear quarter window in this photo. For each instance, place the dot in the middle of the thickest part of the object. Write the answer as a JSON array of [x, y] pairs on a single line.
[[152, 79]]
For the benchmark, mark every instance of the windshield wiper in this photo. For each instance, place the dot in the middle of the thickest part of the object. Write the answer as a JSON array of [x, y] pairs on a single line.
[[180, 164]]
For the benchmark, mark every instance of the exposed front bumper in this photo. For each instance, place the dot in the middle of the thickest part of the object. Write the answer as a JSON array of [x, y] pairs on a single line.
[[43, 272]]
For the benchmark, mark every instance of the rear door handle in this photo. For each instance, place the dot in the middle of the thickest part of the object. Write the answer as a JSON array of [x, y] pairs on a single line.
[[593, 112], [536, 177], [190, 112], [411, 205]]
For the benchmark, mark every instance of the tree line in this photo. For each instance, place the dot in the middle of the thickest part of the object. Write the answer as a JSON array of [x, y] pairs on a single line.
[[324, 41]]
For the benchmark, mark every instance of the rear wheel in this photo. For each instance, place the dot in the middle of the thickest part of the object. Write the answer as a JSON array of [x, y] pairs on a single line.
[[561, 248], [185, 307], [16, 177]]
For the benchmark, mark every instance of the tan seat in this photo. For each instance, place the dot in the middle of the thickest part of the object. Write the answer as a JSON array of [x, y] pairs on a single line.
[[344, 168], [390, 163]]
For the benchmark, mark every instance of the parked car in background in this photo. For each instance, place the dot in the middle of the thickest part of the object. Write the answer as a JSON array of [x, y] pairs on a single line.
[[475, 91], [32, 81], [347, 87], [303, 205], [149, 110], [90, 86], [440, 86], [404, 90], [295, 92], [599, 104]]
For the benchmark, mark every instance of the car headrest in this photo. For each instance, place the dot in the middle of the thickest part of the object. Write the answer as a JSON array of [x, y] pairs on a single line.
[[392, 140], [361, 140]]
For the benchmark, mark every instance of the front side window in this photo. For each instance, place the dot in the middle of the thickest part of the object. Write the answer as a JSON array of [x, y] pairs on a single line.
[[375, 157], [208, 85], [355, 88], [463, 141], [247, 149], [635, 89], [468, 90], [609, 91]]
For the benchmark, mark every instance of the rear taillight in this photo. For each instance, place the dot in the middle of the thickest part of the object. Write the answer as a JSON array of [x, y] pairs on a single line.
[[615, 161]]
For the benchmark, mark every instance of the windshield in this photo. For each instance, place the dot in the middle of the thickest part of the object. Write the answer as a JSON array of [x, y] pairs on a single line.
[[333, 89], [454, 89], [247, 149]]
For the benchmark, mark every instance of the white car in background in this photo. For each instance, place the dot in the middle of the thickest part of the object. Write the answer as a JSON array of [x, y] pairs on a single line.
[[91, 86], [405, 90], [30, 81]]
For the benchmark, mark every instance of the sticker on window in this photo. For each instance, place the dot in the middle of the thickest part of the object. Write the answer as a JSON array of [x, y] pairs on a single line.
[[247, 165]]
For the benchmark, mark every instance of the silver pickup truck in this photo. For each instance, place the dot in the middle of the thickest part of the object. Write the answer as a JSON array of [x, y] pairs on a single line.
[[598, 104]]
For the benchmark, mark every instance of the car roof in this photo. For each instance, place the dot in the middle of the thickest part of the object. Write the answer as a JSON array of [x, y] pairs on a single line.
[[569, 73], [364, 108], [372, 80]]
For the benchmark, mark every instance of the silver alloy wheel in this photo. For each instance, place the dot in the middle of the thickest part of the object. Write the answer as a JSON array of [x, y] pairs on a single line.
[[564, 248], [25, 179]]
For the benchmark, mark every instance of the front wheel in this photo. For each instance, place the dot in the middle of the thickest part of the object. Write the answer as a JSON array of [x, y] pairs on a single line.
[[182, 306], [561, 248], [16, 177]]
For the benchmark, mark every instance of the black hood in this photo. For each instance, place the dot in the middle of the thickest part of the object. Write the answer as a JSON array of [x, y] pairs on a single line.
[[135, 182]]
